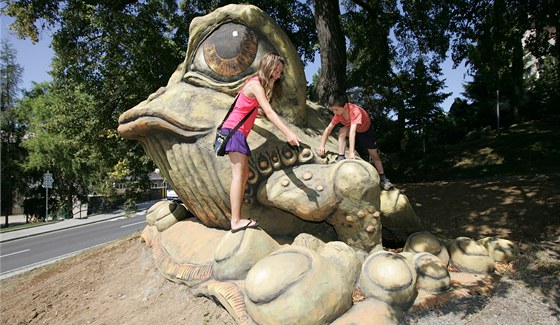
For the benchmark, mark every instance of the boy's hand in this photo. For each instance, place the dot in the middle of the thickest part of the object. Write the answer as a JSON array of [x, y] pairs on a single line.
[[321, 151], [351, 155]]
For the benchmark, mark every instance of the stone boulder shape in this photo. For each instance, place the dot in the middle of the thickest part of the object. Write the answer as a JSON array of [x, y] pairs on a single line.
[[343, 256], [309, 241], [164, 214], [469, 256], [432, 274], [371, 312], [501, 250], [296, 285], [345, 259], [388, 277], [425, 241], [238, 252], [398, 215]]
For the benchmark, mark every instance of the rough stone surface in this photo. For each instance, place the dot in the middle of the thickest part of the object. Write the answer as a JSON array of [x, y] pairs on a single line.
[[469, 256], [296, 285], [432, 274], [501, 250], [424, 241], [371, 312], [238, 252], [388, 277]]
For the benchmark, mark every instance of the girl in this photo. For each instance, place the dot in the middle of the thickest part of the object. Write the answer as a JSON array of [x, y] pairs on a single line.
[[257, 91]]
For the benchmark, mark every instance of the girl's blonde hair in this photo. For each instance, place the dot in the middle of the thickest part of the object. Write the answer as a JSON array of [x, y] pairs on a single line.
[[266, 67]]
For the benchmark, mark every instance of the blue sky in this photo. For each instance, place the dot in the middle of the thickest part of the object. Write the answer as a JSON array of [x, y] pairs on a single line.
[[36, 59]]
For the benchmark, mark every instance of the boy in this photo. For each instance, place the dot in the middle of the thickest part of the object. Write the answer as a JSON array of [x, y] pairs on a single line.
[[356, 126]]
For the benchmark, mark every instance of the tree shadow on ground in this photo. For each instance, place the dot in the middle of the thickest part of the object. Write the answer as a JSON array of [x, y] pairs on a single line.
[[525, 210]]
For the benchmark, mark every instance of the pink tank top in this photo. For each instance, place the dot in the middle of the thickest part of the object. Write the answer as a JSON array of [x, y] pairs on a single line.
[[242, 107]]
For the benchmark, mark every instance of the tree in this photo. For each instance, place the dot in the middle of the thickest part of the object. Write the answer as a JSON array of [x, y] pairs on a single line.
[[493, 37], [60, 123], [119, 52], [367, 28], [332, 49], [394, 54], [11, 132], [422, 105], [544, 39]]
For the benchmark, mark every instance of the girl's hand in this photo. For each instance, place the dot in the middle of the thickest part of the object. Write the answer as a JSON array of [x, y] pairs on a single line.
[[292, 138], [321, 151]]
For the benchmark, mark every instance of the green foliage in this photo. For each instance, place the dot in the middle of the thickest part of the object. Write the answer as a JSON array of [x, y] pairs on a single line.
[[522, 149], [129, 207], [110, 55], [543, 91], [116, 52], [59, 123], [11, 131], [369, 50], [496, 37]]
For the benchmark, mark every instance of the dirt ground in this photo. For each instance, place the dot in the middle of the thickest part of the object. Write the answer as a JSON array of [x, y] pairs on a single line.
[[119, 284]]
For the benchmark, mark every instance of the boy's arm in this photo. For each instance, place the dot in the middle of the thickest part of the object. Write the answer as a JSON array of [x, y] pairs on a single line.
[[352, 140], [326, 133]]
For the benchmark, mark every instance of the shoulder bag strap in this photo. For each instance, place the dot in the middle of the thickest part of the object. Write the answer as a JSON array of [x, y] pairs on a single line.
[[238, 124], [230, 110]]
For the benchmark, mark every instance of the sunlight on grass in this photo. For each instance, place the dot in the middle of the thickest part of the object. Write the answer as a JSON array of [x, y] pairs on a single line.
[[538, 147], [483, 157]]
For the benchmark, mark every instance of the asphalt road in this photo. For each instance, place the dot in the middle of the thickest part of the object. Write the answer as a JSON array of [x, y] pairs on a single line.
[[23, 254]]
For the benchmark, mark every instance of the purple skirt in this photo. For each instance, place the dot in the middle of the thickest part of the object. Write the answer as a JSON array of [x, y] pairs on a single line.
[[237, 143]]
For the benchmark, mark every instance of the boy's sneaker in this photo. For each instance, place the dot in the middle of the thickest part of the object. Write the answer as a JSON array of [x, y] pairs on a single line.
[[386, 185], [339, 158]]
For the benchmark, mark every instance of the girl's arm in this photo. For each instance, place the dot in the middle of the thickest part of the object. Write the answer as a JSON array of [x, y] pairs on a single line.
[[258, 91]]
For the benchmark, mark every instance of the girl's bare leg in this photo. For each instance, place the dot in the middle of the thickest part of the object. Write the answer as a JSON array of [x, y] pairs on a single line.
[[240, 174]]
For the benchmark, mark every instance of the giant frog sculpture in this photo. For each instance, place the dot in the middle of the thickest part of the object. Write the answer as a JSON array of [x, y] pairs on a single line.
[[290, 189], [321, 222]]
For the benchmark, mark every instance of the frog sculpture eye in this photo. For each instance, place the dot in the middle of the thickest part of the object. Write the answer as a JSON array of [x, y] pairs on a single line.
[[229, 53], [225, 48]]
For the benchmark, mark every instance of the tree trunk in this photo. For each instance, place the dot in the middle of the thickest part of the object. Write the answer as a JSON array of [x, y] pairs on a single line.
[[332, 48], [517, 66]]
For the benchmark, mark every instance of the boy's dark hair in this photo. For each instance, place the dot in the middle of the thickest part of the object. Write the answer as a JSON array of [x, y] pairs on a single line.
[[338, 98]]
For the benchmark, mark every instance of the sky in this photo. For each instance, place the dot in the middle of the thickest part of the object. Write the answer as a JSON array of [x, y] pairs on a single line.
[[36, 58]]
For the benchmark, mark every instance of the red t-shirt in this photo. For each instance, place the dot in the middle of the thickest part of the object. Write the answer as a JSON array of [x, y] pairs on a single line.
[[356, 115]]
